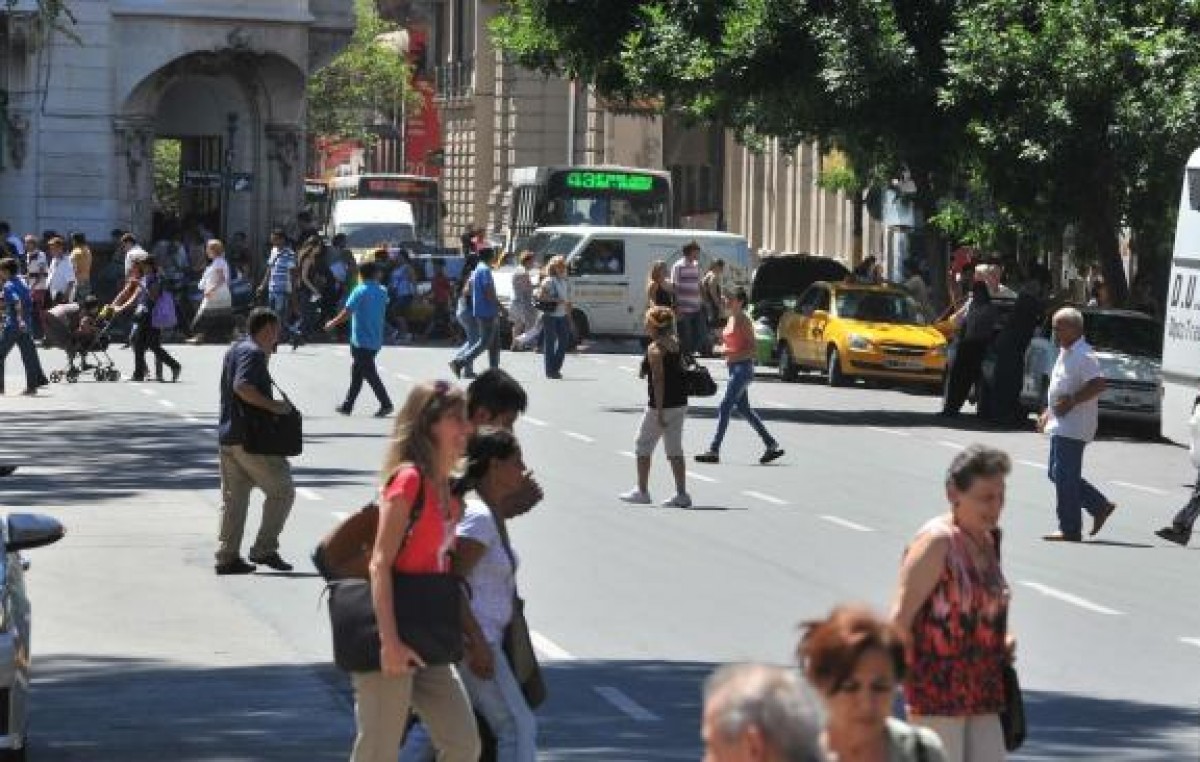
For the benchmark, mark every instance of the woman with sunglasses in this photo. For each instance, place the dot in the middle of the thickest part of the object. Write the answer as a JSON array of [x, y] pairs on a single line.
[[429, 438], [855, 660]]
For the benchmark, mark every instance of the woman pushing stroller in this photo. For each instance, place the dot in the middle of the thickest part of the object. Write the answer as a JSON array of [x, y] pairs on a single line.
[[141, 295]]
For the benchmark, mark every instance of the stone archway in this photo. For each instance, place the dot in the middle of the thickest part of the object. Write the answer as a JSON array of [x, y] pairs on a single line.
[[238, 113]]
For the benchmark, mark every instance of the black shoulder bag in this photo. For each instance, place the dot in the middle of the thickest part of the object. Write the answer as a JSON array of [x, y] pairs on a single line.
[[697, 381], [427, 608], [268, 433], [1012, 717]]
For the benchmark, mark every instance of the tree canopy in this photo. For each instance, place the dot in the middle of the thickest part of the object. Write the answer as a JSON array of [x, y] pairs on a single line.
[[1026, 115]]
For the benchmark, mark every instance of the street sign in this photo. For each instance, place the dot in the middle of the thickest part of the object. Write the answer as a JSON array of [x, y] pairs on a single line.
[[202, 178], [241, 182]]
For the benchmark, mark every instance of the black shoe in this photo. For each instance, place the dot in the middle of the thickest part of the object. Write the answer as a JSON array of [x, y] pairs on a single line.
[[456, 368], [772, 454], [1175, 535], [385, 411], [175, 373], [708, 457], [272, 560], [236, 566], [343, 409], [7, 470]]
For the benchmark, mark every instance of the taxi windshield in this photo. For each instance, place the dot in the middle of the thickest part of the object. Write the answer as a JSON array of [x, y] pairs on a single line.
[[879, 307]]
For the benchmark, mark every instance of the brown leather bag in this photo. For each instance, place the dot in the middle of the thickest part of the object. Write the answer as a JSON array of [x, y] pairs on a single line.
[[345, 553]]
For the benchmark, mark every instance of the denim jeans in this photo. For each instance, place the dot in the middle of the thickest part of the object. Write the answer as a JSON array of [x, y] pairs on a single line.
[[502, 706], [556, 335], [1072, 491], [485, 341], [470, 328], [24, 343], [281, 305], [1186, 518], [737, 397], [363, 369], [693, 332]]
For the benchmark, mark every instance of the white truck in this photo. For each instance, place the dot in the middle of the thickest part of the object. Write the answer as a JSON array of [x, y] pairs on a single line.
[[1181, 327], [369, 223]]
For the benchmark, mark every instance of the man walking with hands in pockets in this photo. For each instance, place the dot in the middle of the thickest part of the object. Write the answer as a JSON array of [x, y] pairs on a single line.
[[1071, 417]]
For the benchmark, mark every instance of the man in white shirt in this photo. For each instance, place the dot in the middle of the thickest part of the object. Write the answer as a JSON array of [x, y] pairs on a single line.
[[61, 281], [133, 252], [1071, 417]]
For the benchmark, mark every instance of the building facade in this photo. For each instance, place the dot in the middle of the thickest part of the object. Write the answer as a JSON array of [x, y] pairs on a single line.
[[223, 79], [497, 116]]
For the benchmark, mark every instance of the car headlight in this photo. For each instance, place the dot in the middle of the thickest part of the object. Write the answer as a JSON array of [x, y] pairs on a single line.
[[859, 342]]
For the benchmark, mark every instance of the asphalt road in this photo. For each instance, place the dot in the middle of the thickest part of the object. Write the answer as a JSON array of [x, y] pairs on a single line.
[[141, 653]]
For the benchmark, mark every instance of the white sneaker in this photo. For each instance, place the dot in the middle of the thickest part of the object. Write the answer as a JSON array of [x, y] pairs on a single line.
[[682, 500], [636, 496]]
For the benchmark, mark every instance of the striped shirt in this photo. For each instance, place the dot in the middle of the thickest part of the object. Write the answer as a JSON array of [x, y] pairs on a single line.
[[685, 277], [281, 264]]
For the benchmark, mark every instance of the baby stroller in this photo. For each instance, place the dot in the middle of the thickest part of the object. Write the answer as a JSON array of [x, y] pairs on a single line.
[[90, 345]]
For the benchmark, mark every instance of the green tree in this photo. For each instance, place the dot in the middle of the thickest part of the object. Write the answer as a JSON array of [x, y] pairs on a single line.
[[366, 84], [1082, 111]]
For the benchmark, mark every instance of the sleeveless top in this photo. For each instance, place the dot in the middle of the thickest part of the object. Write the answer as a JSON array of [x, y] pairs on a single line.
[[429, 545], [737, 341], [663, 297], [673, 394], [958, 637]]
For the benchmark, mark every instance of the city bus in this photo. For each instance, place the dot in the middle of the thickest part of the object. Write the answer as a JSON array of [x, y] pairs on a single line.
[[424, 193], [316, 198], [601, 195]]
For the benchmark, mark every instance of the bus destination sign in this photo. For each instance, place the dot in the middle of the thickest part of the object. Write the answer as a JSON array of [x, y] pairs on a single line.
[[398, 186], [610, 181]]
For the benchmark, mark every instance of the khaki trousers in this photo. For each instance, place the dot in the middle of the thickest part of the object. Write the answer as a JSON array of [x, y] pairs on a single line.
[[241, 472], [977, 738], [381, 705]]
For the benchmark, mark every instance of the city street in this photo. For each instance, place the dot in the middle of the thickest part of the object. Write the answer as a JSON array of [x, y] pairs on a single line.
[[141, 653]]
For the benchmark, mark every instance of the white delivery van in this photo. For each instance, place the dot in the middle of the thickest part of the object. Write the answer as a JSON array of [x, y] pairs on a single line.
[[1181, 326], [608, 268], [369, 223]]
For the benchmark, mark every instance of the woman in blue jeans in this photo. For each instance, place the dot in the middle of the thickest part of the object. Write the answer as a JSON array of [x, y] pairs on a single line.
[[484, 557], [556, 330], [738, 347]]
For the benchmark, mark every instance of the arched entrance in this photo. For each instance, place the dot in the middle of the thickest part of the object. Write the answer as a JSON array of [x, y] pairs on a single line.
[[228, 128]]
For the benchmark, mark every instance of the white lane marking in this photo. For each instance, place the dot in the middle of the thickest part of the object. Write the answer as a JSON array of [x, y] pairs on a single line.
[[404, 377], [192, 419], [764, 497], [341, 515], [146, 391], [1140, 488], [699, 477], [847, 524], [893, 432], [777, 405], [596, 360], [627, 453], [628, 369], [308, 494], [166, 403], [1191, 641], [580, 437], [633, 709], [1032, 464], [548, 649], [1070, 598], [952, 445], [534, 421]]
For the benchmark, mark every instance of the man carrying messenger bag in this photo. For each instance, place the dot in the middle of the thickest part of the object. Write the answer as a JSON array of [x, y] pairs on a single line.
[[253, 452]]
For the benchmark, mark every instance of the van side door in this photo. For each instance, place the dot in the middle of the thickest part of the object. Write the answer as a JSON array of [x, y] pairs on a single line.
[[600, 286]]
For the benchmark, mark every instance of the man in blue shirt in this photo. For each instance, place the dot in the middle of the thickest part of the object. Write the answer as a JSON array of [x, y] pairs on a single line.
[[366, 309], [18, 312], [485, 307]]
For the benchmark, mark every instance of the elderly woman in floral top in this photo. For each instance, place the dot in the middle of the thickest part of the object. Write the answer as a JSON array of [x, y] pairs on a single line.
[[952, 609]]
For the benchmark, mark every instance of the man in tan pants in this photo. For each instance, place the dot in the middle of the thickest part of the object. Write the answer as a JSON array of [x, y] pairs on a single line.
[[245, 380]]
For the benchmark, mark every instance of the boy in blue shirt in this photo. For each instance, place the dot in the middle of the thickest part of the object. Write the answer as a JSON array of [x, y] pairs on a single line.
[[366, 309], [18, 312]]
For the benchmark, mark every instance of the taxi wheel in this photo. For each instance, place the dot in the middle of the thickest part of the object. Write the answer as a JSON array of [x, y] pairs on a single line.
[[788, 370], [834, 372]]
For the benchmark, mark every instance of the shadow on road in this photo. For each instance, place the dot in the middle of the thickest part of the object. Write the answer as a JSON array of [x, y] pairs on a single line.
[[97, 455]]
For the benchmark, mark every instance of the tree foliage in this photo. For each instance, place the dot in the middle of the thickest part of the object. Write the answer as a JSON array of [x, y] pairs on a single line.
[[367, 83], [1014, 117]]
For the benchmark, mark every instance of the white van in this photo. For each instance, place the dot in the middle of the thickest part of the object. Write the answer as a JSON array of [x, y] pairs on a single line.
[[608, 268], [368, 223], [1181, 328]]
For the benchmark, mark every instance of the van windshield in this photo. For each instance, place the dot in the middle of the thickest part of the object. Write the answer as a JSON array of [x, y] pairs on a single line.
[[364, 235], [547, 245]]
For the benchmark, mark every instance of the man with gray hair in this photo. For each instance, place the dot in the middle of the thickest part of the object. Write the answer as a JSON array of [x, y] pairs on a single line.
[[759, 713], [1071, 417]]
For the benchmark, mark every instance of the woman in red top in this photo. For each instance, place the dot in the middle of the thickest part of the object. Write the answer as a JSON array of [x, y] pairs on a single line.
[[429, 439], [952, 609]]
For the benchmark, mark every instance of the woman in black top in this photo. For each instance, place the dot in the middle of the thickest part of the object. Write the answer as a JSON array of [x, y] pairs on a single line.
[[658, 290], [666, 409], [976, 322]]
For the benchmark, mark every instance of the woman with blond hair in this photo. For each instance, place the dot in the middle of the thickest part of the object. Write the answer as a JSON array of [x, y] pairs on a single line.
[[666, 409], [556, 330], [658, 288], [521, 312], [427, 443], [216, 307]]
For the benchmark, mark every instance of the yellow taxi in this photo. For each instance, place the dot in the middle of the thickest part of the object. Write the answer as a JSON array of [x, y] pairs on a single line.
[[852, 330]]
